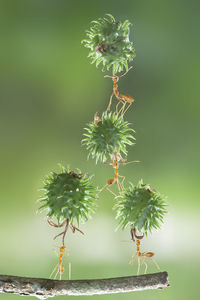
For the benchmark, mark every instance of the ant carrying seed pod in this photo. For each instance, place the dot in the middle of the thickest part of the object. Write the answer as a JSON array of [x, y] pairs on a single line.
[[122, 98], [115, 164], [142, 256]]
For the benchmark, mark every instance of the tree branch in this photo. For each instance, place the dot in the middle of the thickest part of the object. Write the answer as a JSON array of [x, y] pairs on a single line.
[[45, 288]]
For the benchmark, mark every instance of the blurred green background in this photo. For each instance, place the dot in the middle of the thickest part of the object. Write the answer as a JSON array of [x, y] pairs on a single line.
[[49, 91]]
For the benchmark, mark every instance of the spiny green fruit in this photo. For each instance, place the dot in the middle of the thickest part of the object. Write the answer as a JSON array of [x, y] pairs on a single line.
[[68, 195], [108, 41], [140, 207], [109, 135]]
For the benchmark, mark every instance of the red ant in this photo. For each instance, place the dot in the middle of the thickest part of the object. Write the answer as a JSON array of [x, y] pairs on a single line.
[[141, 255], [115, 163], [122, 98], [60, 265]]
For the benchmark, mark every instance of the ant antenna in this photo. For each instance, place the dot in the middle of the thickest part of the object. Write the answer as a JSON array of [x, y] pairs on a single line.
[[126, 71]]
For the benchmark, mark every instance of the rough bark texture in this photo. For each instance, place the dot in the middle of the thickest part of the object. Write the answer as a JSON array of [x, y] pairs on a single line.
[[45, 288]]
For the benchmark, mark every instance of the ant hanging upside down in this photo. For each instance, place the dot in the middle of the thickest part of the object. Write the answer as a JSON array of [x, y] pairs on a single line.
[[122, 98], [142, 256], [115, 164]]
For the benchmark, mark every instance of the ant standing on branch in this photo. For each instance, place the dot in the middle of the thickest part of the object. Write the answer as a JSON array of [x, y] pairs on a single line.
[[142, 256], [60, 265]]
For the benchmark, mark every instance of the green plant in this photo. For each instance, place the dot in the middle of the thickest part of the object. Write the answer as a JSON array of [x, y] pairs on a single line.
[[68, 195], [140, 207], [109, 135], [108, 41]]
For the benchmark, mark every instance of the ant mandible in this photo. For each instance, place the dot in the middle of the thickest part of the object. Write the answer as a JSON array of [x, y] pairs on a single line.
[[122, 98], [142, 256]]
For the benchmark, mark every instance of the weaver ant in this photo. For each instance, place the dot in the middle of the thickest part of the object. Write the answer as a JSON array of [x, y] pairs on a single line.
[[122, 98], [142, 256], [115, 164], [60, 265]]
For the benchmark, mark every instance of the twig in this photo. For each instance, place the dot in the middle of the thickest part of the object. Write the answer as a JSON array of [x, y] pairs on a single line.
[[46, 288]]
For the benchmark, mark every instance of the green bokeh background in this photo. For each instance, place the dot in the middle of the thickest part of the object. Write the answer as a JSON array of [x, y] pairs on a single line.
[[49, 91]]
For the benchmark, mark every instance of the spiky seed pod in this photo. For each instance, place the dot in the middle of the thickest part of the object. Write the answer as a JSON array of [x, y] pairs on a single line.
[[140, 207], [108, 41], [68, 195], [104, 138]]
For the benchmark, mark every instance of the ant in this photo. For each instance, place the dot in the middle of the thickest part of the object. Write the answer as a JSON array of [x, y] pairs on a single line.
[[142, 256], [115, 164], [122, 98], [60, 265]]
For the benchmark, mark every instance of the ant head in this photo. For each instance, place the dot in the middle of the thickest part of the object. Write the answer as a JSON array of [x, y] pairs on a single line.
[[110, 181], [62, 249], [115, 78], [115, 164]]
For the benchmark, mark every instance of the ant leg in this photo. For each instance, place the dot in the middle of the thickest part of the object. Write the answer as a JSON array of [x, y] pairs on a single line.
[[56, 274], [110, 102], [111, 192], [138, 266], [132, 258], [116, 110], [154, 261], [53, 271], [126, 109], [119, 185], [105, 186], [129, 162], [146, 266], [126, 72], [57, 254], [122, 182], [122, 109], [70, 271]]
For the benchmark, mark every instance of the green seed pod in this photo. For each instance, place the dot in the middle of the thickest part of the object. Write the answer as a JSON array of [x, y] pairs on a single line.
[[68, 195], [140, 207], [109, 135], [108, 41]]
